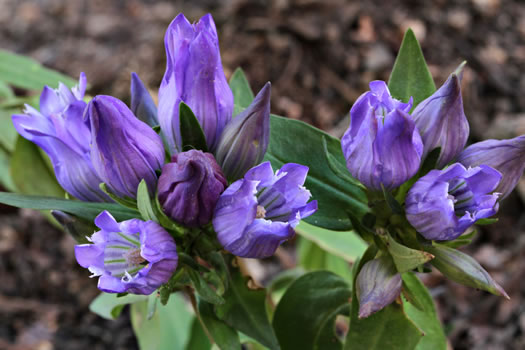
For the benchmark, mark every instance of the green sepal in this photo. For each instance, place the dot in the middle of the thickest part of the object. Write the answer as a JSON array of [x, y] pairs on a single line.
[[191, 132]]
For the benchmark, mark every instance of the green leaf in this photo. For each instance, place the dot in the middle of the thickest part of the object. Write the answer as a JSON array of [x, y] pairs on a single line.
[[424, 317], [198, 339], [242, 93], [487, 221], [312, 258], [245, 310], [297, 142], [190, 130], [5, 91], [203, 289], [8, 134], [84, 210], [5, 175], [345, 244], [305, 316], [144, 204], [26, 73], [410, 76], [109, 306], [30, 173], [406, 258], [125, 201], [169, 328], [225, 336]]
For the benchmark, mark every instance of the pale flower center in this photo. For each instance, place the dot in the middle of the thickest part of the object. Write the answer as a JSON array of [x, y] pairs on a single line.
[[261, 212], [133, 257]]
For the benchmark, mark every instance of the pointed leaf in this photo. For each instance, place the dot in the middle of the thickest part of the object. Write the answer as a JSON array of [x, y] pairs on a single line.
[[191, 130], [242, 93], [224, 336], [406, 258], [144, 204]]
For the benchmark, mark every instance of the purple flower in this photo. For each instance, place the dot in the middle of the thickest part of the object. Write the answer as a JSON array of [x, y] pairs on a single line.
[[382, 146], [132, 256], [190, 186], [124, 150], [245, 139], [258, 213], [444, 203], [142, 104], [59, 129], [506, 156], [377, 285], [194, 75], [441, 120]]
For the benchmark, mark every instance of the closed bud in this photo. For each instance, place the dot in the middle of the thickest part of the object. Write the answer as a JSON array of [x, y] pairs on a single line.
[[190, 186], [124, 149], [142, 105], [378, 285], [245, 139], [441, 120], [463, 269]]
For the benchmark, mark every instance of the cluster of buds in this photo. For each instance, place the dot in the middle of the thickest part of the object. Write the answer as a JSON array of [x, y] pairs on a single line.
[[102, 150], [386, 146]]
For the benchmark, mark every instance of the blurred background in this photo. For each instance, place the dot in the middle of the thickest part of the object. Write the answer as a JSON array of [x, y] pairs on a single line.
[[319, 56]]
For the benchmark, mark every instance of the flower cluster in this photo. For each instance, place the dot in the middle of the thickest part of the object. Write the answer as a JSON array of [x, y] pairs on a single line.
[[102, 150], [386, 145]]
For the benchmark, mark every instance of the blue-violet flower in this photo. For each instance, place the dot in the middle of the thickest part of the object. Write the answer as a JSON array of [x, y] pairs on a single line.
[[382, 146], [142, 104], [132, 256], [444, 203], [258, 212]]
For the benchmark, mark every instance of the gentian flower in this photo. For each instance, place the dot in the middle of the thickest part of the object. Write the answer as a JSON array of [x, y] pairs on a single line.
[[444, 203], [190, 186], [142, 104], [258, 212], [195, 76], [59, 129], [132, 256], [441, 120], [124, 149], [382, 146], [506, 156], [377, 285], [245, 139]]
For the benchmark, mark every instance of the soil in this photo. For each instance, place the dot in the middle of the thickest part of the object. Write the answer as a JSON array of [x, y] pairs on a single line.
[[319, 56]]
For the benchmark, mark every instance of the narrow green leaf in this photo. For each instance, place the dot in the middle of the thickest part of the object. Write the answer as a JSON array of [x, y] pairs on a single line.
[[347, 244], [305, 316], [425, 317], [169, 328], [125, 202], [84, 210], [242, 93], [8, 134], [203, 289], [406, 258], [245, 310], [410, 76], [30, 173], [190, 130], [198, 339], [5, 175], [26, 73], [298, 142], [109, 306], [224, 336], [144, 204]]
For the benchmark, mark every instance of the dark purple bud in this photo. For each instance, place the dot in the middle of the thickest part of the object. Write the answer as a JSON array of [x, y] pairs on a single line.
[[132, 256], [190, 186], [258, 213], [444, 203], [194, 75], [441, 120], [506, 156], [382, 146], [463, 269], [142, 105], [60, 130], [378, 285], [124, 149], [245, 139]]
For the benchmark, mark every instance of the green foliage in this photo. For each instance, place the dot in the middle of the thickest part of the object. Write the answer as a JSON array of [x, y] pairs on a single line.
[[410, 76], [242, 93], [305, 316], [406, 258], [312, 258], [190, 130], [109, 306], [225, 336]]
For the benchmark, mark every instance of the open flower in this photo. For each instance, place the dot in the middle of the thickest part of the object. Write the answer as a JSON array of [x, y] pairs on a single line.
[[132, 256], [124, 149], [190, 186], [195, 76], [382, 146], [444, 203], [59, 129], [258, 213]]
